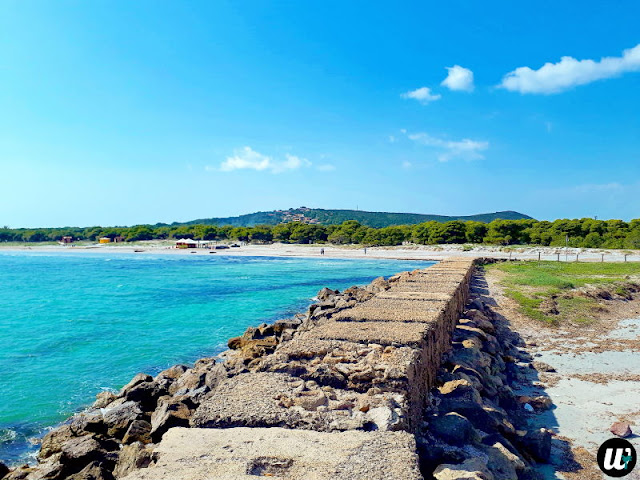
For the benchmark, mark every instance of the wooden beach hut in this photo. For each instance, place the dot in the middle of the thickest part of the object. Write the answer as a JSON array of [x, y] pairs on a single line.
[[186, 243]]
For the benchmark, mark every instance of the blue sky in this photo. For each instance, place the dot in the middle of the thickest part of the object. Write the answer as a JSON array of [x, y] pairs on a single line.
[[119, 113]]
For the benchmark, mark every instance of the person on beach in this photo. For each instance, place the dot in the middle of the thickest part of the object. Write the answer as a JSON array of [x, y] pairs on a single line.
[[365, 250], [322, 251]]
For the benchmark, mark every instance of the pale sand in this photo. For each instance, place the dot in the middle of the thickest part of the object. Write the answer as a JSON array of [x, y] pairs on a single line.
[[405, 252], [597, 378]]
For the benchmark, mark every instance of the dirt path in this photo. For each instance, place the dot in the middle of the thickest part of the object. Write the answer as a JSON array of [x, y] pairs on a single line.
[[593, 378]]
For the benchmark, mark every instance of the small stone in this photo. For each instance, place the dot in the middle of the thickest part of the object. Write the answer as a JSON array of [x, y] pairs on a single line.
[[470, 469], [311, 400], [621, 429], [541, 403], [543, 367]]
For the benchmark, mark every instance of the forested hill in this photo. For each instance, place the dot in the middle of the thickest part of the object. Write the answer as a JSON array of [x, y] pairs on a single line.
[[336, 217]]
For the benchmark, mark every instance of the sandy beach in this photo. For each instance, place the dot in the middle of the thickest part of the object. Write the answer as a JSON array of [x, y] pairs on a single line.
[[404, 252]]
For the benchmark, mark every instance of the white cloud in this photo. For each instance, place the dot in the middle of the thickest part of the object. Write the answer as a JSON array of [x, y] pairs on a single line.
[[422, 94], [248, 159], [459, 79], [291, 162], [465, 149], [406, 164], [569, 72]]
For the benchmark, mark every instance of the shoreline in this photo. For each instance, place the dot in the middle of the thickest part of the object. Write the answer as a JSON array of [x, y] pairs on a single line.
[[404, 252]]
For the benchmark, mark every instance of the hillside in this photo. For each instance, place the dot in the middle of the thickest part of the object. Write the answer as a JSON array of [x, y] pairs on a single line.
[[334, 217]]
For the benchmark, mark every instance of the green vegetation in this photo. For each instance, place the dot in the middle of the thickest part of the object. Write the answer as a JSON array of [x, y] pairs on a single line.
[[576, 233], [337, 217], [585, 232], [555, 291]]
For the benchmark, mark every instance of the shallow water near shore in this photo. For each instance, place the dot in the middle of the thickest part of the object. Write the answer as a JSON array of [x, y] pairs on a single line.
[[74, 324]]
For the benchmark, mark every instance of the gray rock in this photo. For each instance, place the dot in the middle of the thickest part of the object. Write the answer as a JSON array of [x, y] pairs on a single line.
[[477, 304], [87, 422], [104, 398], [119, 418], [94, 471], [190, 380], [621, 429], [502, 463], [139, 378], [52, 442], [171, 412], [453, 428], [80, 451], [543, 367], [472, 469], [538, 444], [132, 457], [19, 473], [146, 394], [52, 469], [326, 294], [458, 392], [215, 375], [172, 373], [138, 431]]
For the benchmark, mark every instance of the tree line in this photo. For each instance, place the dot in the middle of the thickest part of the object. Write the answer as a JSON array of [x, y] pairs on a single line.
[[585, 232]]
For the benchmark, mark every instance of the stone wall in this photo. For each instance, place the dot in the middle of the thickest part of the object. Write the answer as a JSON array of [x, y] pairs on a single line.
[[367, 369]]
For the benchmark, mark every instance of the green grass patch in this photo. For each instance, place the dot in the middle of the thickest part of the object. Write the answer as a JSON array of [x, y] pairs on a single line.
[[530, 306], [545, 290]]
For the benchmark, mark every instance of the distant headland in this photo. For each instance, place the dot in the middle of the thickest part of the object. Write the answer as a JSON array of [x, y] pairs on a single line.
[[322, 216]]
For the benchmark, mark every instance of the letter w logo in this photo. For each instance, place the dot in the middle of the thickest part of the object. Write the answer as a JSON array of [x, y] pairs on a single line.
[[617, 463]]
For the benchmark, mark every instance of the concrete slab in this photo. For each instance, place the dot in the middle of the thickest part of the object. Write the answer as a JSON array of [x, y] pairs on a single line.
[[396, 311], [383, 333], [247, 453]]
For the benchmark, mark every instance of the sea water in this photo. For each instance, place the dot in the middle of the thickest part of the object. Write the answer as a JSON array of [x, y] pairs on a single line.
[[73, 324]]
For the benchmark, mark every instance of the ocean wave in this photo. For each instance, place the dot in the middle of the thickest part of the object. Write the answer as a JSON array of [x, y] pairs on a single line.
[[7, 435]]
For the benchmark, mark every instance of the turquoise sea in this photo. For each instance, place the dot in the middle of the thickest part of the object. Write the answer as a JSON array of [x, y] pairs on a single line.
[[73, 324]]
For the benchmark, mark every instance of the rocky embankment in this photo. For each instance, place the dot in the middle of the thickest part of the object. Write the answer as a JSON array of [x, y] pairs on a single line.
[[405, 378], [477, 427]]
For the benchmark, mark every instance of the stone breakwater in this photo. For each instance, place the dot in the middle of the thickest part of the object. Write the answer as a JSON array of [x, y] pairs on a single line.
[[350, 390]]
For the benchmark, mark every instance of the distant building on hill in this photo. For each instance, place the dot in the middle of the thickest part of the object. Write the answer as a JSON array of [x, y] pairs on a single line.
[[67, 239], [104, 240]]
